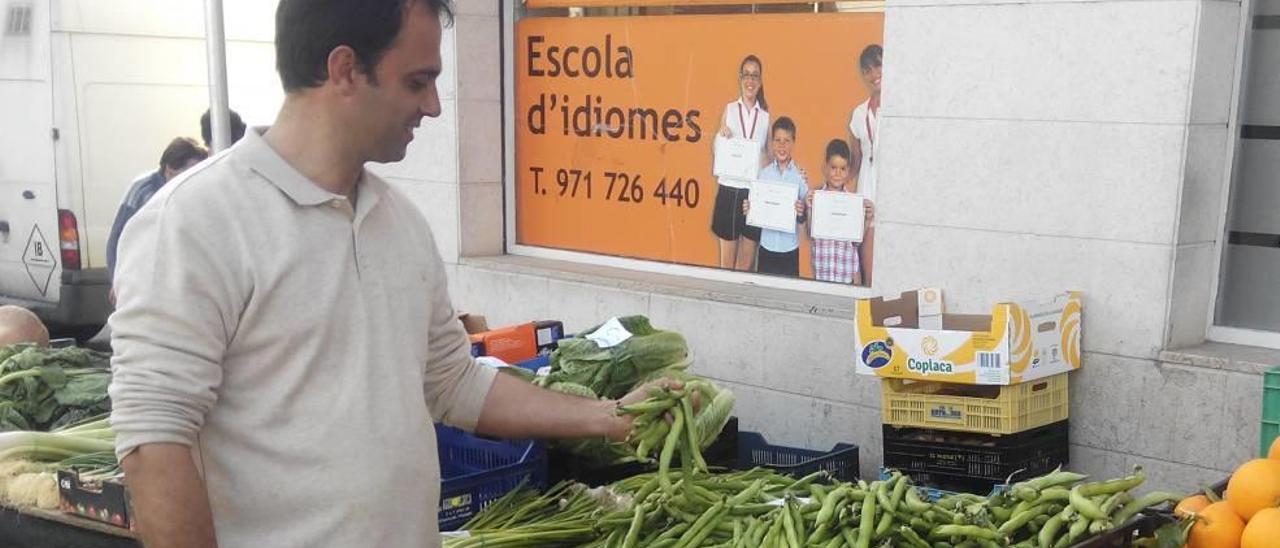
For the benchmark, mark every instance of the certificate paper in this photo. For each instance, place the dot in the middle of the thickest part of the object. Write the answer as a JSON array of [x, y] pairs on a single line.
[[773, 205], [737, 159], [838, 216]]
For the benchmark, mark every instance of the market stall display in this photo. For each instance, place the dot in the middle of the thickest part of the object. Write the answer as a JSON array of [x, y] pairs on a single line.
[[757, 507]]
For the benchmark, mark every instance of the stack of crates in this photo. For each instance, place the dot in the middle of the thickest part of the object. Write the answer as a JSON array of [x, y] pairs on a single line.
[[969, 402]]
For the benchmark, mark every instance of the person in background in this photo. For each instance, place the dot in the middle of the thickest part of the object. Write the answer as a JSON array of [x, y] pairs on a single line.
[[179, 156], [864, 127], [747, 117], [19, 325], [206, 128], [780, 251], [837, 260]]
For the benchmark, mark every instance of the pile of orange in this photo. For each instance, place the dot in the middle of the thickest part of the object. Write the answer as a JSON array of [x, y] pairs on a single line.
[[1249, 514]]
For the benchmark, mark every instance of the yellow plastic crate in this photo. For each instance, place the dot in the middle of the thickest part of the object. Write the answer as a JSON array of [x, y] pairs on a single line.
[[974, 408]]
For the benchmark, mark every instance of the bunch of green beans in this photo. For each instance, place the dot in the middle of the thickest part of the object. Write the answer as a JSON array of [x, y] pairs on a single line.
[[563, 516], [665, 424]]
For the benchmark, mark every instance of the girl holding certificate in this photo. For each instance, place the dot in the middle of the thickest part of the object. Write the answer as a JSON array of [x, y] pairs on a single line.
[[747, 117]]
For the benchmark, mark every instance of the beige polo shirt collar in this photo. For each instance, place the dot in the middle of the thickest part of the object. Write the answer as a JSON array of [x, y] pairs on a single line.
[[267, 163]]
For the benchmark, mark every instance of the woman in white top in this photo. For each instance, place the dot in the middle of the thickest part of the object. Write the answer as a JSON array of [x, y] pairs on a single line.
[[864, 126], [745, 118]]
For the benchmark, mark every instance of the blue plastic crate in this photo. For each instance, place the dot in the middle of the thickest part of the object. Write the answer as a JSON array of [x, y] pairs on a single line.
[[477, 471], [534, 364], [841, 461]]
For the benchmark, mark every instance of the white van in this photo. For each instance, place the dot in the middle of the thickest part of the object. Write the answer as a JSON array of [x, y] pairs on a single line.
[[90, 94]]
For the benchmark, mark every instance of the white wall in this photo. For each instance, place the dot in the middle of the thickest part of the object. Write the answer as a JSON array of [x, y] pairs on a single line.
[[1029, 148]]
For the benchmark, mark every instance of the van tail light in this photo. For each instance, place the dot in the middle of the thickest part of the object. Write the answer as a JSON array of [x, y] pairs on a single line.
[[69, 239]]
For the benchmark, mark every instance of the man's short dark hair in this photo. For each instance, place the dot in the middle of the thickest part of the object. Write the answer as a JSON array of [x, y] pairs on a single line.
[[180, 152], [206, 128], [308, 30]]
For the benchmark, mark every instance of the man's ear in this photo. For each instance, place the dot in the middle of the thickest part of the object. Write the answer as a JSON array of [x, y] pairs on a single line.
[[344, 69]]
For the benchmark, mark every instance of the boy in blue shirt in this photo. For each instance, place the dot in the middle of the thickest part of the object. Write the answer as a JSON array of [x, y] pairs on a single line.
[[780, 251]]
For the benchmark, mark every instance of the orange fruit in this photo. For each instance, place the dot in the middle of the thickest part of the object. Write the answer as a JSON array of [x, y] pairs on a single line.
[[1275, 449], [1263, 530], [1217, 526], [1191, 505], [1254, 485]]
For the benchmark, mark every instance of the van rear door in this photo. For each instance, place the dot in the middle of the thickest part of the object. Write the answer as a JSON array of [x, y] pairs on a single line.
[[30, 252]]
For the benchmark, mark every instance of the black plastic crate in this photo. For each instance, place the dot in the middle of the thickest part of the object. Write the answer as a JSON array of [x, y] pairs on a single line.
[[563, 465], [974, 463], [1140, 526], [841, 461]]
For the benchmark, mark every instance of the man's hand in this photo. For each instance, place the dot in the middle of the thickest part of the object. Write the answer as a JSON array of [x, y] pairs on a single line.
[[639, 394], [517, 409]]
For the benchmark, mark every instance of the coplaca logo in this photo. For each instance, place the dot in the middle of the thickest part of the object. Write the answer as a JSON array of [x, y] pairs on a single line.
[[930, 346], [877, 354]]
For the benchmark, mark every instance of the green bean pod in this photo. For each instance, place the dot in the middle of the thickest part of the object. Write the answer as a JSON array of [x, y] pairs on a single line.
[[1049, 532], [1114, 486], [668, 451], [914, 503], [1082, 504], [912, 538], [1077, 530], [1020, 519], [1145, 501], [633, 532], [866, 523], [975, 532]]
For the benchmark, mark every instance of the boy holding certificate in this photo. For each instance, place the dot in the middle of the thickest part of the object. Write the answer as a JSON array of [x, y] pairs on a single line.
[[836, 260], [780, 249]]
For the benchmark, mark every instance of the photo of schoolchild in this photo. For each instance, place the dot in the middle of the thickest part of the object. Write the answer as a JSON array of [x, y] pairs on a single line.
[[837, 260], [780, 251], [746, 117], [864, 126]]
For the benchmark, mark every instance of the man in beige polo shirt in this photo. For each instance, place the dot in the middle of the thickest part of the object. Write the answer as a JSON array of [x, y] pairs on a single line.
[[283, 334]]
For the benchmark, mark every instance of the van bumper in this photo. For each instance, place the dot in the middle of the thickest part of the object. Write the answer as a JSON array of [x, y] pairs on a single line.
[[84, 300]]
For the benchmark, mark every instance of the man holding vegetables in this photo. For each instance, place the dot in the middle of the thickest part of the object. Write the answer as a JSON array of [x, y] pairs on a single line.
[[283, 333]]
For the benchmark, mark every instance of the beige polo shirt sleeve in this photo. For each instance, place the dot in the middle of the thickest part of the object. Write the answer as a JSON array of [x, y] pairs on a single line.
[[178, 306]]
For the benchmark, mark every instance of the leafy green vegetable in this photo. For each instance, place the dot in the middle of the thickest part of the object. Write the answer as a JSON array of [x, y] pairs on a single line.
[[39, 387], [612, 372]]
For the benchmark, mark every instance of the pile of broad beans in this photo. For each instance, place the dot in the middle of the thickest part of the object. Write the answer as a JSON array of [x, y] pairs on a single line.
[[689, 506], [762, 508]]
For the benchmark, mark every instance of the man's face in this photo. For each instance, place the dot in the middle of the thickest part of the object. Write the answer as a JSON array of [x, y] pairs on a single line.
[[783, 141], [871, 79], [405, 92]]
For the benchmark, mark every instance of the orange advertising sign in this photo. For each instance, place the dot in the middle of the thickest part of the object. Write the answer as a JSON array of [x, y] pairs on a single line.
[[619, 120], [642, 3]]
